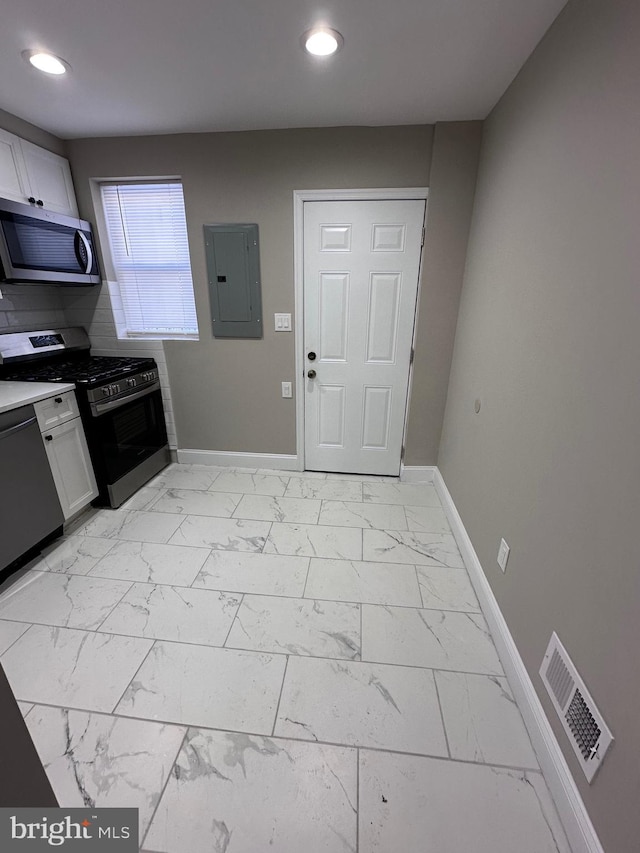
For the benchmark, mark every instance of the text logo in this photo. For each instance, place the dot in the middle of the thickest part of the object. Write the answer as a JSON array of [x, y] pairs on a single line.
[[33, 829]]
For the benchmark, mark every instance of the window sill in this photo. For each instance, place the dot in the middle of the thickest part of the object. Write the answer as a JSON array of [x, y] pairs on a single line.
[[126, 337]]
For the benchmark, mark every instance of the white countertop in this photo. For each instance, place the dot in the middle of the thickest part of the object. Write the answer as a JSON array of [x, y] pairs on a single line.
[[14, 394]]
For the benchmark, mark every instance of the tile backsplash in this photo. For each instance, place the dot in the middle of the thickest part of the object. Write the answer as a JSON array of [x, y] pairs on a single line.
[[30, 306]]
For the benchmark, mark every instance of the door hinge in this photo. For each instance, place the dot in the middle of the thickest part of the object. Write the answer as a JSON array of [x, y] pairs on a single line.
[[412, 356], [422, 239]]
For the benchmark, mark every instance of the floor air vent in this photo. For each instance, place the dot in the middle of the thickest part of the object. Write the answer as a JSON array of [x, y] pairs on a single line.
[[583, 723]]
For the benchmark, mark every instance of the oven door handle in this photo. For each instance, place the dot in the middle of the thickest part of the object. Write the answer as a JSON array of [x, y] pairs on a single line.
[[98, 409]]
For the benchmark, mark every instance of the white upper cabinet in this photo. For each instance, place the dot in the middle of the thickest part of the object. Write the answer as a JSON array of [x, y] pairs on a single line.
[[13, 172], [30, 172], [50, 179]]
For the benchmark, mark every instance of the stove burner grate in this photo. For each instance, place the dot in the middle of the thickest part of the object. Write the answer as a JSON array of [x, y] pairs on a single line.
[[83, 371]]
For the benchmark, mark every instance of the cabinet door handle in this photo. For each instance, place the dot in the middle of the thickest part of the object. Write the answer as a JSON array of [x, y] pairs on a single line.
[[48, 438], [58, 399], [40, 203], [31, 199]]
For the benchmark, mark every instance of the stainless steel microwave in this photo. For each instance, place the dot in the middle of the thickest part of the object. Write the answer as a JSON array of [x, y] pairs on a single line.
[[43, 247]]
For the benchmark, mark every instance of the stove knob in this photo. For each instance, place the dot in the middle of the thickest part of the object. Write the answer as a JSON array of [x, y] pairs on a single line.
[[106, 391], [131, 383]]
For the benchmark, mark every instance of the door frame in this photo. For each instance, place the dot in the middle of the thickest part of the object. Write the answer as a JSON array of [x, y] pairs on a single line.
[[299, 199]]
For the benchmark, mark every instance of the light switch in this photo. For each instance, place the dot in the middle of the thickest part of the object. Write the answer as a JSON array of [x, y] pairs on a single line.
[[286, 389], [283, 322]]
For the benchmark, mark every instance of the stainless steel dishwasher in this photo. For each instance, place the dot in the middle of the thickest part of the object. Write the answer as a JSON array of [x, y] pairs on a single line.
[[29, 507]]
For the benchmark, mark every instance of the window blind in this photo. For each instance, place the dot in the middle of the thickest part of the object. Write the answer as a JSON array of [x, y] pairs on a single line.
[[148, 236]]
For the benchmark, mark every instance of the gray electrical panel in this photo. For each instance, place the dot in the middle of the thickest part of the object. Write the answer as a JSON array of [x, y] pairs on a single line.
[[233, 268]]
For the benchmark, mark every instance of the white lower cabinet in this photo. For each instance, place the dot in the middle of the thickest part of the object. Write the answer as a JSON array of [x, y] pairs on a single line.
[[71, 467], [57, 410]]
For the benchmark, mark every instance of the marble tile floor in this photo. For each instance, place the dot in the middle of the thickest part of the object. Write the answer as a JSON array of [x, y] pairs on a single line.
[[277, 661]]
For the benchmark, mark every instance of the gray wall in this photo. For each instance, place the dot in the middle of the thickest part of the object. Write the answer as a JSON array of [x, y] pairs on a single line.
[[549, 338], [30, 132], [454, 166], [226, 393]]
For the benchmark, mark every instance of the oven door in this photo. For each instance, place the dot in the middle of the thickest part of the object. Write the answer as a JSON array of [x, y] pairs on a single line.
[[123, 436]]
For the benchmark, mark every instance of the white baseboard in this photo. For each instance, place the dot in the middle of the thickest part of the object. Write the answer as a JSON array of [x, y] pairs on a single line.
[[577, 825], [225, 459], [282, 462], [417, 473]]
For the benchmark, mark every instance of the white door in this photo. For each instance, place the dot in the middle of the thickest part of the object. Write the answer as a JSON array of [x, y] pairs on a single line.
[[361, 266]]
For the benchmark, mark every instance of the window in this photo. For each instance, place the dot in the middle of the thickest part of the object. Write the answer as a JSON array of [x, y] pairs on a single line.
[[148, 236]]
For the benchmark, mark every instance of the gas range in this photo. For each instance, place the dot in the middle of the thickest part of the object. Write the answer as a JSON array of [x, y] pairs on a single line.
[[63, 355], [119, 399]]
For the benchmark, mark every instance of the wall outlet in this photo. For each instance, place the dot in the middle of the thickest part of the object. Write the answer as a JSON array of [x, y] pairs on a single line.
[[286, 389], [503, 555], [282, 322]]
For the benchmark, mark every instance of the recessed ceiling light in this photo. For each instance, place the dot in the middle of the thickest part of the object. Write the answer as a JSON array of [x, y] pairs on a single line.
[[322, 41], [46, 62]]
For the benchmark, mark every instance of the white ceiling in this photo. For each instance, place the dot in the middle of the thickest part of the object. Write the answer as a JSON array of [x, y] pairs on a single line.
[[166, 66]]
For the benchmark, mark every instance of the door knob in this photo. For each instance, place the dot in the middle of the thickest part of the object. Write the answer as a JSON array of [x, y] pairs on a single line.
[[311, 374], [311, 356]]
